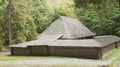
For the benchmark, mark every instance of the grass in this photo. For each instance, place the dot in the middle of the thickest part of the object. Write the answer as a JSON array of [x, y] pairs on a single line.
[[44, 65], [115, 61], [115, 53], [14, 58]]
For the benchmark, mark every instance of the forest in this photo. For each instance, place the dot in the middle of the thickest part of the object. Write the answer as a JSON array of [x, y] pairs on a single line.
[[30, 17]]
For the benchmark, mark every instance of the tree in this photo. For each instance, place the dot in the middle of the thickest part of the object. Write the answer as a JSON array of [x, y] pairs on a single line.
[[27, 18], [9, 11]]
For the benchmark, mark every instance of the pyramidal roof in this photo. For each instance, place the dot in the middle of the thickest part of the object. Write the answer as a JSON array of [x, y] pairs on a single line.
[[68, 28]]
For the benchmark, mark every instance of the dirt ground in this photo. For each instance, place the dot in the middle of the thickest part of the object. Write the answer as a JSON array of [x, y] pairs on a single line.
[[50, 62], [4, 54]]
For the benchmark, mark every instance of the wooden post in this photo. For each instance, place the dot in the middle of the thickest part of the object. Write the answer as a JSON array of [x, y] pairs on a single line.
[[30, 49], [48, 50], [52, 51], [12, 50], [99, 53], [116, 45]]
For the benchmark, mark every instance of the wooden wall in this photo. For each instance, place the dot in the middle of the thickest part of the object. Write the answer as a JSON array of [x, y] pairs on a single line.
[[32, 50], [105, 50], [82, 52], [118, 43], [20, 51], [39, 50]]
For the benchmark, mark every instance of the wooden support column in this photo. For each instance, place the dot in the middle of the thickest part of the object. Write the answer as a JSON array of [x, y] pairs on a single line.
[[52, 50], [12, 50], [99, 53], [30, 49], [48, 50], [116, 45]]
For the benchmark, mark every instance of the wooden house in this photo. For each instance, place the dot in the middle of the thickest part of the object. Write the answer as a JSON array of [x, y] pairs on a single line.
[[68, 37]]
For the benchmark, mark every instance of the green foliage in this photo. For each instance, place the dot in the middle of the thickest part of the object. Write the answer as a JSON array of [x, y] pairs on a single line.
[[23, 27], [31, 17], [102, 21], [41, 15], [91, 20]]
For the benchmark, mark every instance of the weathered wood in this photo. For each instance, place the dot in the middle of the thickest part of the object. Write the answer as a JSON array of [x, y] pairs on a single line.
[[48, 50], [12, 50], [118, 43], [39, 50], [20, 51], [30, 49], [82, 52], [107, 49], [99, 53], [75, 52]]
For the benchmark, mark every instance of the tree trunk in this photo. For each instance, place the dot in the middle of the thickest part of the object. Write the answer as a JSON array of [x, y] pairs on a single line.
[[9, 20]]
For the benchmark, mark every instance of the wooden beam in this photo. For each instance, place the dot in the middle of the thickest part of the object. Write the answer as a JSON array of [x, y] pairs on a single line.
[[52, 51], [48, 50], [12, 50], [99, 53], [30, 49], [116, 45]]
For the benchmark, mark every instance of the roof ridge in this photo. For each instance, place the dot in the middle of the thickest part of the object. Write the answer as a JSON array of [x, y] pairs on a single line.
[[65, 27]]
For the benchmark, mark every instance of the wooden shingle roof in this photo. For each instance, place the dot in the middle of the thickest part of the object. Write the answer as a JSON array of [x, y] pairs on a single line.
[[98, 41], [70, 28], [106, 40]]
